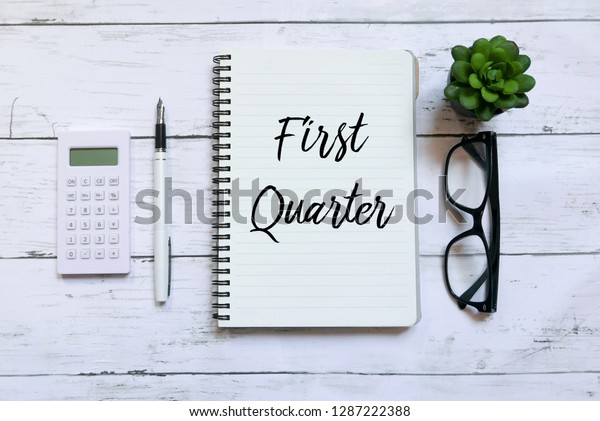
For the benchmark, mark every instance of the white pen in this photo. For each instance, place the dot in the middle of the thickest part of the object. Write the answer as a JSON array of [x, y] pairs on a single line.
[[162, 240]]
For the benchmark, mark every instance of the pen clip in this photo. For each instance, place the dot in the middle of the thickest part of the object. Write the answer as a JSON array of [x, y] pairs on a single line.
[[169, 287]]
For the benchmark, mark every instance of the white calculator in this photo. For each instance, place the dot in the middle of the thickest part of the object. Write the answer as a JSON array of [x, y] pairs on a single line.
[[93, 232]]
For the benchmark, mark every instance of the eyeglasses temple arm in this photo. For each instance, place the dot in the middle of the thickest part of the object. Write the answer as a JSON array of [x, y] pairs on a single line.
[[472, 150], [468, 294]]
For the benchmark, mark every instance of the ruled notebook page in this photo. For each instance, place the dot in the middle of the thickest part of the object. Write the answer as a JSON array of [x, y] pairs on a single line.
[[337, 272]]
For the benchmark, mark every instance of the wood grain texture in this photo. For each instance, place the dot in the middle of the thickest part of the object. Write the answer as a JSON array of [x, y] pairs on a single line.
[[69, 65], [302, 386], [110, 76], [31, 212], [548, 204], [178, 11], [545, 324]]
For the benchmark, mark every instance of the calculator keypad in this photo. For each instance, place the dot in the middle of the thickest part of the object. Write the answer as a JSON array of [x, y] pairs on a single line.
[[93, 202], [87, 223]]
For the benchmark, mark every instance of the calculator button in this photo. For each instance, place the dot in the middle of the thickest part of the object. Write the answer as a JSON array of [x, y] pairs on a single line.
[[113, 195], [99, 181], [114, 253], [71, 210], [99, 209], [99, 253], [71, 181], [85, 224], [99, 224], [71, 254], [113, 181], [71, 225], [85, 239], [113, 238], [85, 195], [86, 181], [113, 224], [99, 195], [99, 238], [71, 239], [113, 209], [85, 210], [71, 196], [85, 253]]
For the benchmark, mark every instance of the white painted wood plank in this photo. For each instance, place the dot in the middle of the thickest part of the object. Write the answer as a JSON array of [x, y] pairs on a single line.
[[177, 11], [110, 76], [549, 198], [547, 322], [292, 387], [28, 189]]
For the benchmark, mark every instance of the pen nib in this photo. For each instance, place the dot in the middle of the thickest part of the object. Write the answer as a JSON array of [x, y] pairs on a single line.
[[160, 112]]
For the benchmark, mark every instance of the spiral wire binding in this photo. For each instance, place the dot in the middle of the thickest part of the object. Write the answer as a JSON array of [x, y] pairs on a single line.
[[221, 202]]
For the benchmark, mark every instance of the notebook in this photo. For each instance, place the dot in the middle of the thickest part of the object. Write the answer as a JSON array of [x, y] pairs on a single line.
[[314, 155]]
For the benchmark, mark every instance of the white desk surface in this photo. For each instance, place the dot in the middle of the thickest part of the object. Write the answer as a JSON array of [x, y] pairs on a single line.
[[68, 65]]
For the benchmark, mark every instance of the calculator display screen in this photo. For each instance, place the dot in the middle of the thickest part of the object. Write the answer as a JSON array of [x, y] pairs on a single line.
[[93, 156]]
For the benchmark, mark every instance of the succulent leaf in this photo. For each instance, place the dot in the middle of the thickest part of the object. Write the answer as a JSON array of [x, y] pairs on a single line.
[[484, 69], [523, 101], [511, 49], [469, 98], [492, 75], [497, 40], [482, 46], [462, 53], [506, 101], [526, 83], [501, 66], [513, 68], [510, 87], [497, 86], [452, 91], [485, 112], [497, 54], [461, 70], [474, 81], [489, 96], [477, 61], [525, 62]]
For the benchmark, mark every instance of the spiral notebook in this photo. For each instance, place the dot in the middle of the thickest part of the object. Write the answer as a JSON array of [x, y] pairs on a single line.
[[314, 174]]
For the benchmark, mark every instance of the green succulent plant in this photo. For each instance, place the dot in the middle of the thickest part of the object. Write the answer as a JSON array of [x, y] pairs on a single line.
[[489, 76]]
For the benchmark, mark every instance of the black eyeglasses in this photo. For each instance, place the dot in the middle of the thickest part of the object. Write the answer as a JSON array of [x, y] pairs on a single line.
[[472, 258]]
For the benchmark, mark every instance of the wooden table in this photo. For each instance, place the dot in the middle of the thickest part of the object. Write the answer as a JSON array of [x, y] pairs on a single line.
[[70, 66]]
